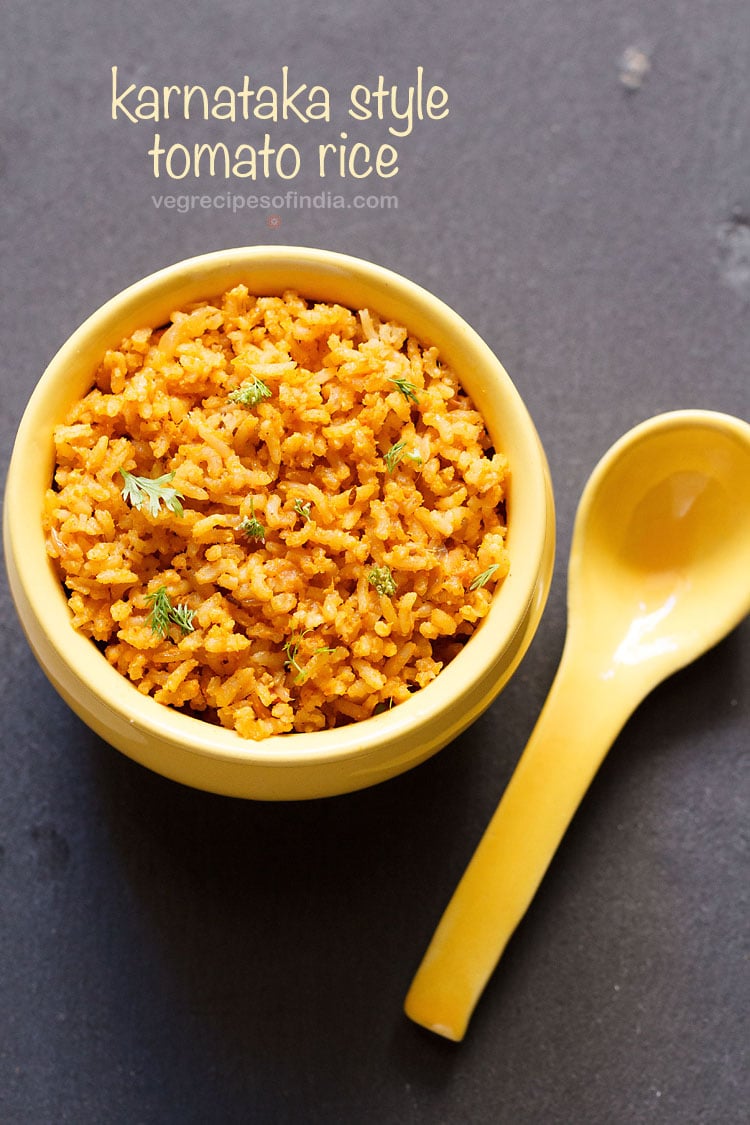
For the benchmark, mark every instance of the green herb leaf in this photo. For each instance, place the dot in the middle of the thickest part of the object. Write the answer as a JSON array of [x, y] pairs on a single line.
[[408, 389], [303, 509], [483, 578], [396, 453], [136, 490], [163, 613], [291, 647], [161, 608], [183, 616], [252, 528], [381, 578], [251, 393]]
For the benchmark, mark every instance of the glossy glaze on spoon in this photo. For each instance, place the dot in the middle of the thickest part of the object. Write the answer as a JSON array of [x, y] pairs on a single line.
[[659, 572]]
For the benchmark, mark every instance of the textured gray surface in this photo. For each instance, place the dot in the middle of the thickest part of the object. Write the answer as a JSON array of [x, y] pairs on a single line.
[[169, 956]]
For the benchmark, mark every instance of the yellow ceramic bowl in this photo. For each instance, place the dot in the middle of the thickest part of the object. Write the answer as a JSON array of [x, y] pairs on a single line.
[[295, 765]]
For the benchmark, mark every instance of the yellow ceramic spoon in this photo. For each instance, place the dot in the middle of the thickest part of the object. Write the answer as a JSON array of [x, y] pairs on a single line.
[[659, 572]]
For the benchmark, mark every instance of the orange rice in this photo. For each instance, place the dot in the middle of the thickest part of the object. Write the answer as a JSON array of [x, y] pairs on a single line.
[[363, 583]]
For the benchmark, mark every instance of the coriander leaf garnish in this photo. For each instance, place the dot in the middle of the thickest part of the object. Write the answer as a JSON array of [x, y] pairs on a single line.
[[303, 509], [394, 455], [408, 389], [252, 528], [163, 613], [183, 616], [291, 647], [153, 491], [397, 452], [161, 607], [381, 578], [483, 578], [251, 393]]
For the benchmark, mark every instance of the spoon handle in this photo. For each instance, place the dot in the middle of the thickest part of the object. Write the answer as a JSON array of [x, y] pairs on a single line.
[[579, 722]]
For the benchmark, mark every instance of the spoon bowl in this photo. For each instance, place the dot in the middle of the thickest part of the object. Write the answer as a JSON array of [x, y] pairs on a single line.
[[660, 561], [659, 572]]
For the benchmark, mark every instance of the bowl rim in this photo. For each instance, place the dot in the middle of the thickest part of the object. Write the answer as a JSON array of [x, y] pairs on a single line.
[[193, 734]]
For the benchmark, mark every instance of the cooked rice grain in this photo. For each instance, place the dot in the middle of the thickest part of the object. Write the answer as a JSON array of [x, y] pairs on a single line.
[[289, 633]]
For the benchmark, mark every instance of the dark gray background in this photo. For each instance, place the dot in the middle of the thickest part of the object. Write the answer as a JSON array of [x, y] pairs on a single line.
[[171, 956]]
